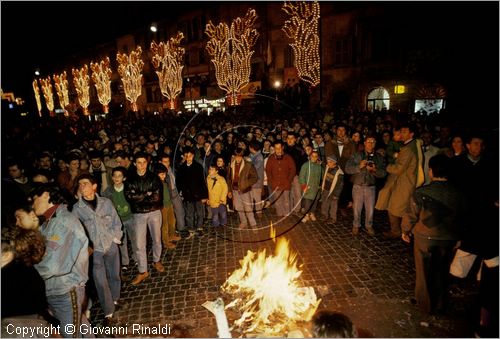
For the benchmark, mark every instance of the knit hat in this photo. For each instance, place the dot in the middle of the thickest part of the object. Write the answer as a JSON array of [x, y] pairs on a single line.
[[332, 157]]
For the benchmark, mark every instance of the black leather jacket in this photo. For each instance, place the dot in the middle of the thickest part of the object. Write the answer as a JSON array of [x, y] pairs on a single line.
[[144, 193]]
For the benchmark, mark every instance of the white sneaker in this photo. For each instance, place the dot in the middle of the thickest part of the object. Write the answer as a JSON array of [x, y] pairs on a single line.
[[312, 217], [306, 218]]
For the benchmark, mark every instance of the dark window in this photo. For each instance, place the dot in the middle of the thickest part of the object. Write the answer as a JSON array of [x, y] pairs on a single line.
[[203, 26], [190, 32], [201, 56], [182, 26], [203, 90], [342, 52], [380, 46], [254, 72], [194, 58], [196, 29], [289, 57]]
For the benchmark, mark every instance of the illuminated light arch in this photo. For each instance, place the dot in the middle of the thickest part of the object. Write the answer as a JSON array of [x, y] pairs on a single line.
[[231, 52]]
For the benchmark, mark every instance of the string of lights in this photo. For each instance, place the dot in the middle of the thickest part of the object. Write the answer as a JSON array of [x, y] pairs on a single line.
[[48, 94], [168, 59], [302, 28], [81, 82], [231, 52], [36, 89], [130, 68], [61, 84], [101, 75]]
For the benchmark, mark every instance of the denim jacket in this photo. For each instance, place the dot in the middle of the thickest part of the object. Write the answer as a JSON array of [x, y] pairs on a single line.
[[258, 162], [66, 261], [103, 224]]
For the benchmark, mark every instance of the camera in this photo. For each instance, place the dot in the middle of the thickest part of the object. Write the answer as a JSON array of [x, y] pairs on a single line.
[[369, 160]]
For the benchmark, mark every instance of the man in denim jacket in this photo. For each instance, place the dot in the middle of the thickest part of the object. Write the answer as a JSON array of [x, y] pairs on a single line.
[[65, 264], [104, 228]]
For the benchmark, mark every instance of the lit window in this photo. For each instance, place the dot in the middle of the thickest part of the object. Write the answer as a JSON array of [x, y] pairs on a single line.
[[399, 89], [378, 99]]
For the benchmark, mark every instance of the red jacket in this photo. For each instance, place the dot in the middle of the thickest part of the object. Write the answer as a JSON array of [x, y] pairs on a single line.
[[280, 173]]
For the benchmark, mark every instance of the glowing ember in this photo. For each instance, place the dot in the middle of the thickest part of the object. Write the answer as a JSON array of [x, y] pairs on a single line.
[[268, 294]]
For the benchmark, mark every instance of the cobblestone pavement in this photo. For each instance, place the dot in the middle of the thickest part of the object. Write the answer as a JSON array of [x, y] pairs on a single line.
[[368, 278]]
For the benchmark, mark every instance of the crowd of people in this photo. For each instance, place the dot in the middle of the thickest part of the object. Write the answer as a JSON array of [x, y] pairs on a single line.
[[92, 188]]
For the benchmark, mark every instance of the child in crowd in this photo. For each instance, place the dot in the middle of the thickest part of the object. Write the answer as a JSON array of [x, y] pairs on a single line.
[[332, 185], [217, 195]]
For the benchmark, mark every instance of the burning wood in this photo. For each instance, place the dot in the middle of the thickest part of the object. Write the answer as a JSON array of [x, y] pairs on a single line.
[[267, 293]]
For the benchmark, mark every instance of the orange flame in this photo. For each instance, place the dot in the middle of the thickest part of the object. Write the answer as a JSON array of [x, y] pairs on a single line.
[[268, 294]]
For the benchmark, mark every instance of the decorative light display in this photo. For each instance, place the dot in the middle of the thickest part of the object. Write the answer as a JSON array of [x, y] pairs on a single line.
[[231, 52], [81, 80], [48, 94], [302, 27], [130, 68], [61, 83], [168, 59], [36, 89], [101, 74]]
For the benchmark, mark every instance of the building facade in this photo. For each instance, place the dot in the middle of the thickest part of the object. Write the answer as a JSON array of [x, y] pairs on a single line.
[[373, 57]]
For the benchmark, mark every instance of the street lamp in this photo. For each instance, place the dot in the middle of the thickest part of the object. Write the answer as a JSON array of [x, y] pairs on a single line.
[[153, 27], [277, 85], [37, 72]]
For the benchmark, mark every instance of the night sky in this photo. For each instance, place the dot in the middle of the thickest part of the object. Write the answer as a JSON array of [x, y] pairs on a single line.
[[38, 34], [42, 34]]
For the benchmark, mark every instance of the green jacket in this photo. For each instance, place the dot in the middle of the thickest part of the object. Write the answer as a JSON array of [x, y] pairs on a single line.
[[311, 175]]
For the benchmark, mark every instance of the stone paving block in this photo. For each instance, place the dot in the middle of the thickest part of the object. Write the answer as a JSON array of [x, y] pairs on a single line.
[[368, 275]]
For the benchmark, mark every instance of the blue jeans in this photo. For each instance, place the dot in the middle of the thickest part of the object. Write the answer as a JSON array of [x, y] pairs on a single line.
[[68, 309], [219, 215], [143, 222], [179, 213], [195, 212], [363, 195], [106, 271], [128, 225]]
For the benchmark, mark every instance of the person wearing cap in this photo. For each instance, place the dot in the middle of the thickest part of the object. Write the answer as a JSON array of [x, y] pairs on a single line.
[[331, 188], [365, 167]]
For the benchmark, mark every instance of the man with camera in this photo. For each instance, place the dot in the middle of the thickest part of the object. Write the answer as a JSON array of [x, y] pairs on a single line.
[[365, 167]]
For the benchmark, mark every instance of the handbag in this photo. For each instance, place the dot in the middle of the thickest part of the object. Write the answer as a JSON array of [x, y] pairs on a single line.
[[462, 263]]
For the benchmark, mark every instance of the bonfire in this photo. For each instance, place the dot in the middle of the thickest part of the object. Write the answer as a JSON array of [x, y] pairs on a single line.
[[267, 293]]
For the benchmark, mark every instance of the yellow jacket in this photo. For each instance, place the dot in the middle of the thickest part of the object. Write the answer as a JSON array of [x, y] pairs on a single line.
[[217, 192]]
